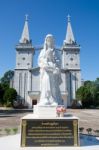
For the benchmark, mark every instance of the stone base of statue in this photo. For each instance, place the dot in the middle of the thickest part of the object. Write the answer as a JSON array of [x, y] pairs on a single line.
[[45, 129], [45, 111]]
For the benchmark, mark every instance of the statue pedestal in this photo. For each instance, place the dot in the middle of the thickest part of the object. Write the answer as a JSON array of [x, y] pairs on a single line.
[[49, 131], [44, 111], [44, 129]]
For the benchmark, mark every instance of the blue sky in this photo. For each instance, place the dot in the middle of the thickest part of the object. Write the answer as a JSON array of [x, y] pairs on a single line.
[[50, 16]]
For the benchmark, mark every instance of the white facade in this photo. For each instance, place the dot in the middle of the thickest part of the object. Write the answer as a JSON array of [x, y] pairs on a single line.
[[27, 78]]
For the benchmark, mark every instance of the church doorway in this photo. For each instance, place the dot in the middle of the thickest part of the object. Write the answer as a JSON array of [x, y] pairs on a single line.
[[34, 102]]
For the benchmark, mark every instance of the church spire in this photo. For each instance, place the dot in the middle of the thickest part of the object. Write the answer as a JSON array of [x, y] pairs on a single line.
[[69, 35], [25, 34]]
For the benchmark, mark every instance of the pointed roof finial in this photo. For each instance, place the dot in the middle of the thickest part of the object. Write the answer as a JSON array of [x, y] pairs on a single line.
[[69, 34], [68, 17], [26, 17], [25, 38]]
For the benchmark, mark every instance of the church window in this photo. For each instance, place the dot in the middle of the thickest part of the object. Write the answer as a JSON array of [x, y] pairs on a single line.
[[67, 64], [23, 58], [76, 64], [71, 59], [18, 64], [28, 63]]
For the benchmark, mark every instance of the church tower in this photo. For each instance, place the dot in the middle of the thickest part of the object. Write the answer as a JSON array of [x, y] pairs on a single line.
[[71, 63], [24, 63]]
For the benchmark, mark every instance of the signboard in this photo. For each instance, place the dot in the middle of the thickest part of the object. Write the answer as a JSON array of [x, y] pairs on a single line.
[[45, 132]]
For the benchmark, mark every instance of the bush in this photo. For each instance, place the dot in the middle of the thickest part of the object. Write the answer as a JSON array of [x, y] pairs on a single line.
[[8, 104], [7, 130], [96, 132], [76, 104], [9, 96], [84, 94], [89, 130], [15, 130], [81, 129], [1, 94], [88, 103]]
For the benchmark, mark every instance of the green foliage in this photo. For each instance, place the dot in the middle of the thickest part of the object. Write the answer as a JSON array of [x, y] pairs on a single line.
[[7, 130], [9, 96], [89, 94], [80, 93], [7, 77], [8, 104], [1, 93], [4, 86], [96, 132], [89, 130], [81, 129], [84, 94], [15, 130], [87, 83]]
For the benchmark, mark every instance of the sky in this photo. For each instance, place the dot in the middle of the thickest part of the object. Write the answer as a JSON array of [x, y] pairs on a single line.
[[50, 16]]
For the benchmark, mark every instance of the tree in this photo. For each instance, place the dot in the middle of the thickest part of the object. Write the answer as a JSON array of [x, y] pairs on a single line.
[[84, 94], [1, 94], [87, 83], [5, 86], [10, 96], [97, 98], [7, 94], [96, 92], [97, 81], [80, 93], [7, 77]]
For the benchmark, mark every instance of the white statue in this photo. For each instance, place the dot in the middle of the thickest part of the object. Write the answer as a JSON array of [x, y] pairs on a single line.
[[50, 76]]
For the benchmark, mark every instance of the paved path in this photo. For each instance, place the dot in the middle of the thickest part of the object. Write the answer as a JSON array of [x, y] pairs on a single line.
[[88, 119]]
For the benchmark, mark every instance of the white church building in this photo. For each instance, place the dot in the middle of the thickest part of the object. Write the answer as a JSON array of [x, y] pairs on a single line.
[[26, 79]]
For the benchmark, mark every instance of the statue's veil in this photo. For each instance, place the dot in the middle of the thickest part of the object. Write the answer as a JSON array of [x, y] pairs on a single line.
[[45, 42]]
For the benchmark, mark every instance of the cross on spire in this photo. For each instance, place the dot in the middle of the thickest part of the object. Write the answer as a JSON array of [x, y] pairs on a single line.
[[25, 34], [68, 17], [69, 34], [26, 17]]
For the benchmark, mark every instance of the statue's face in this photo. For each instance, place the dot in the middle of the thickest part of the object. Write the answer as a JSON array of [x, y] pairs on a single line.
[[50, 42]]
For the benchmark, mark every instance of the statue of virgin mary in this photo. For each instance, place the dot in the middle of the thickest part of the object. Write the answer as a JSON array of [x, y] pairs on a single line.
[[50, 75]]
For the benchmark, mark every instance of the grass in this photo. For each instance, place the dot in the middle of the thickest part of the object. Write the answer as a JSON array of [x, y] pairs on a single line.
[[8, 131], [15, 130]]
